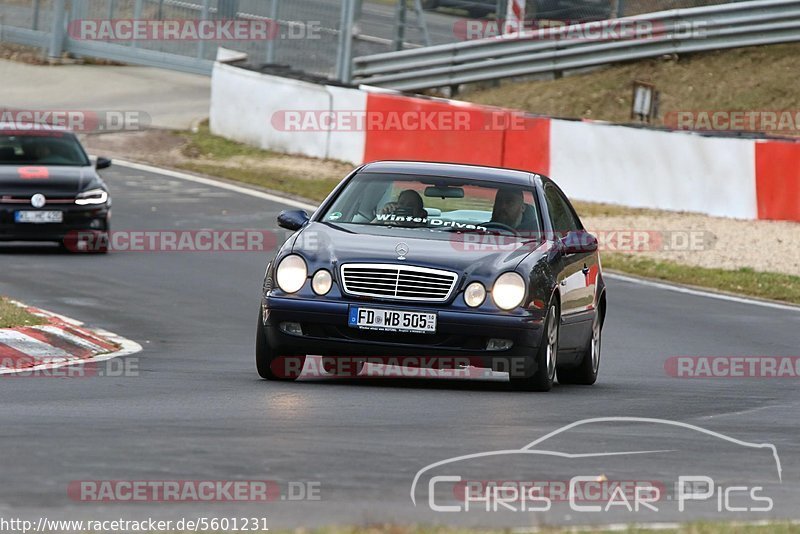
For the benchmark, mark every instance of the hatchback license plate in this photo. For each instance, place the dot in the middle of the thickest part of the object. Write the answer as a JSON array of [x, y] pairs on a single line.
[[39, 217], [392, 320]]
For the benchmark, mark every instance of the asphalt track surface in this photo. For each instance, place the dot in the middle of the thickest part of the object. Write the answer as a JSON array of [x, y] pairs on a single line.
[[198, 411]]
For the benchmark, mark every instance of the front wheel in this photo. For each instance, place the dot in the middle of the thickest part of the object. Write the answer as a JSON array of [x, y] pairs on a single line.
[[271, 366], [540, 372], [585, 373]]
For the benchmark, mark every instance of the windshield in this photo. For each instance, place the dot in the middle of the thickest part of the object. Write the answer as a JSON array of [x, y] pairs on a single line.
[[434, 204], [38, 149]]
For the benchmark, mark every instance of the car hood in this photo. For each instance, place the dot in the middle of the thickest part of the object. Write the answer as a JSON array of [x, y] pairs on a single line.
[[15, 179], [324, 243]]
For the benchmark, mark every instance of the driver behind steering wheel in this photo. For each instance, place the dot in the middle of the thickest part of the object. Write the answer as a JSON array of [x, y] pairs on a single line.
[[509, 207]]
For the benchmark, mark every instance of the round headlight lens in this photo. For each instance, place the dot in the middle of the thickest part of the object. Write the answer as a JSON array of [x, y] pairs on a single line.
[[322, 282], [508, 291], [475, 294], [292, 273]]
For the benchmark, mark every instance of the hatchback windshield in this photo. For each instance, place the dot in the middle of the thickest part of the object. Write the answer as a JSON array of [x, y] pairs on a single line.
[[41, 149], [435, 204]]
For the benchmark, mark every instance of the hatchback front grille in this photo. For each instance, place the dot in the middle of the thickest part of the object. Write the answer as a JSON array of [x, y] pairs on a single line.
[[398, 282]]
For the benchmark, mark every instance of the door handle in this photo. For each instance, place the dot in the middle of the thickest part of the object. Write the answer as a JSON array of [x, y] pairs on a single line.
[[585, 270]]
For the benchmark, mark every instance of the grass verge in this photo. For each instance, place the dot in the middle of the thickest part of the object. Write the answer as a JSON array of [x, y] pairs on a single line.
[[12, 316], [772, 286], [303, 177], [692, 82]]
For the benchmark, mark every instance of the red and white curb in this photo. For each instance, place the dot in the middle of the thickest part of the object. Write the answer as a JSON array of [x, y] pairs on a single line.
[[59, 342]]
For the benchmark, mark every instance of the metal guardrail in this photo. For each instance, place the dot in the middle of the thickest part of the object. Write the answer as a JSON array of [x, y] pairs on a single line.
[[756, 22]]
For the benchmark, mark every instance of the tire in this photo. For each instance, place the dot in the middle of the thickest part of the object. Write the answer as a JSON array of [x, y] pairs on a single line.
[[267, 362], [429, 5], [585, 373], [351, 370], [540, 372]]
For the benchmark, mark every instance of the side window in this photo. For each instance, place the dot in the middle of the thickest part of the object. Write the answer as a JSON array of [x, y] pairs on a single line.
[[560, 213]]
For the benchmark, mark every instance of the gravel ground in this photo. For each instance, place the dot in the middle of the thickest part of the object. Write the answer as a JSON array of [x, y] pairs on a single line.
[[703, 241]]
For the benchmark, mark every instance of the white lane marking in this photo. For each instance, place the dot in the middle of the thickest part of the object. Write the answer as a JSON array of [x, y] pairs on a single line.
[[304, 205], [701, 293], [219, 184], [32, 347], [72, 338]]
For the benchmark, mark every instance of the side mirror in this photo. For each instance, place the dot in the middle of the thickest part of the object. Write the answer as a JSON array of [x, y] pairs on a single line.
[[579, 242], [293, 219], [102, 163]]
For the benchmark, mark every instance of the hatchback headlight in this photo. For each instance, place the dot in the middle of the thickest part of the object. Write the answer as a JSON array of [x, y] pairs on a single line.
[[475, 294], [508, 291], [322, 282], [92, 196], [292, 273]]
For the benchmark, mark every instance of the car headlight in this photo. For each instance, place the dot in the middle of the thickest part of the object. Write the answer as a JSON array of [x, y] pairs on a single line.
[[322, 282], [508, 291], [92, 196], [292, 273], [475, 294]]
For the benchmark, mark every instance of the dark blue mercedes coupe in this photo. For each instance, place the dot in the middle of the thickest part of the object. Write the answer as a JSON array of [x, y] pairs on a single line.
[[432, 262]]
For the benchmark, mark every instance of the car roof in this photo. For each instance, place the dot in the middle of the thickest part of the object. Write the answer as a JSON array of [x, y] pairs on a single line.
[[452, 170], [21, 128]]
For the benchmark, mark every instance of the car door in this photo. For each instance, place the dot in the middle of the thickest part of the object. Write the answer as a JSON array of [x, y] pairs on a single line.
[[576, 278]]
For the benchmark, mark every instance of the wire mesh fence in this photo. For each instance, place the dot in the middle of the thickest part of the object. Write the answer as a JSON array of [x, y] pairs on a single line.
[[307, 34]]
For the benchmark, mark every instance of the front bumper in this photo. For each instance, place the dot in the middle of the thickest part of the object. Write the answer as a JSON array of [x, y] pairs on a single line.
[[459, 334], [76, 219]]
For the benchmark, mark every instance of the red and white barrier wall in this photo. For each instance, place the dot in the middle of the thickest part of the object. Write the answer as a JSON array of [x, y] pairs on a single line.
[[638, 167]]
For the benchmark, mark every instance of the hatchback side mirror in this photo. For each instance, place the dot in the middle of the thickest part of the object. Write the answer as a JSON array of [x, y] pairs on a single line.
[[579, 242], [102, 163], [293, 219]]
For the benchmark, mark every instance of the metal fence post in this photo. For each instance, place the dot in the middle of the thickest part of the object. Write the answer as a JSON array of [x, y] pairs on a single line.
[[112, 4], [205, 15], [274, 14], [348, 43], [344, 35], [36, 14], [57, 32], [137, 15], [620, 8]]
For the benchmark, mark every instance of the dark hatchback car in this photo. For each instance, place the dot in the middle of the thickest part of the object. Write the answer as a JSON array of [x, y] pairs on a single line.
[[441, 261], [50, 190]]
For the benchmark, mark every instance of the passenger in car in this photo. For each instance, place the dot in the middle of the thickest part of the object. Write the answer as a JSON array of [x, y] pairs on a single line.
[[409, 203]]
